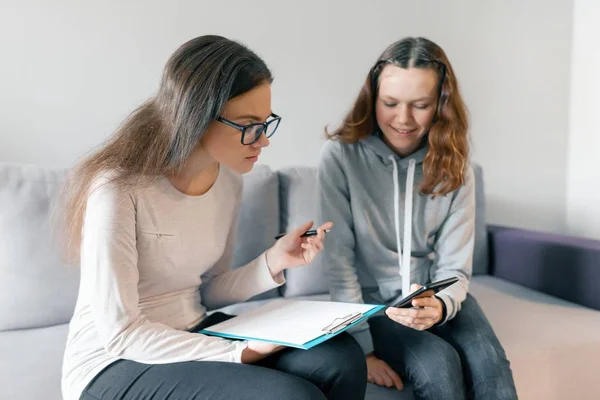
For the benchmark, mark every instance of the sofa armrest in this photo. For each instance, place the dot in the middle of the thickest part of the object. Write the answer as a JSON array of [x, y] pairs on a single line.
[[563, 266]]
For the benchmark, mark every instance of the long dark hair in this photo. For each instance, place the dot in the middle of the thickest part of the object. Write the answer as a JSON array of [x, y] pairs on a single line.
[[445, 163], [158, 137]]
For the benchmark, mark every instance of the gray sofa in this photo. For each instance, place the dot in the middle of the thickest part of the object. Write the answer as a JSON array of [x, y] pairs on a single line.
[[540, 291]]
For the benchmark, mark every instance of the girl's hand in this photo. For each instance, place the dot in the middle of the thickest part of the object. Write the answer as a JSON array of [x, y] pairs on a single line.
[[427, 313]]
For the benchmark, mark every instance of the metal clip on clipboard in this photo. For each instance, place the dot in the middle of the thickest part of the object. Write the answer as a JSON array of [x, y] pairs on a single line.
[[340, 323]]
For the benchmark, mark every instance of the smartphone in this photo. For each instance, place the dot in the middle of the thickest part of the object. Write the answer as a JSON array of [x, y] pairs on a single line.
[[426, 291]]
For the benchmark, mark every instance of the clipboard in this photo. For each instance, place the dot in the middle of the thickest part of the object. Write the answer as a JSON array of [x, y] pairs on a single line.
[[301, 324]]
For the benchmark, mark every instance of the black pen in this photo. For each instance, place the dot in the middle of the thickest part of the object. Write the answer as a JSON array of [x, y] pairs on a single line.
[[312, 232]]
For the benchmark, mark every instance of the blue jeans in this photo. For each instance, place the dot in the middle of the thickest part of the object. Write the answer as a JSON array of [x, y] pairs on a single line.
[[334, 370], [458, 360]]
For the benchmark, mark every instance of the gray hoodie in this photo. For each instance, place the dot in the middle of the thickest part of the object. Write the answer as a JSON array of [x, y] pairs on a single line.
[[385, 230]]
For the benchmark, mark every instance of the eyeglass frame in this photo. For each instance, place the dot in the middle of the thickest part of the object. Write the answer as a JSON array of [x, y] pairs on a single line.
[[243, 128]]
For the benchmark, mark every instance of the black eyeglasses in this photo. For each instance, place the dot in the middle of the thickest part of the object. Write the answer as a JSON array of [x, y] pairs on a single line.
[[251, 133]]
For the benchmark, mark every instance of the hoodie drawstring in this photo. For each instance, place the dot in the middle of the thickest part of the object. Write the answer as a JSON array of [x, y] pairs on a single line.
[[404, 251]]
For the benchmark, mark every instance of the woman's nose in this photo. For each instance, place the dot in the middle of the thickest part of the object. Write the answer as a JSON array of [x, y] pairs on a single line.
[[403, 115], [263, 141]]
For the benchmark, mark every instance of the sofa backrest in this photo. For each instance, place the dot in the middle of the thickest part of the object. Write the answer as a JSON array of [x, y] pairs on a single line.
[[298, 202], [481, 263], [36, 288], [258, 219]]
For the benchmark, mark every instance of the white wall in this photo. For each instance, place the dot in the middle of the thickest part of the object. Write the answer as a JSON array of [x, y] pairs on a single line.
[[583, 207], [71, 70]]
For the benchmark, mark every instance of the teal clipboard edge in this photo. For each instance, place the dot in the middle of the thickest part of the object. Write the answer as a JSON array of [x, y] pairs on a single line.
[[307, 345]]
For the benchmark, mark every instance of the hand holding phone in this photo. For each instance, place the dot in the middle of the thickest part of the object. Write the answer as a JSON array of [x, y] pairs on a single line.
[[426, 291], [428, 310]]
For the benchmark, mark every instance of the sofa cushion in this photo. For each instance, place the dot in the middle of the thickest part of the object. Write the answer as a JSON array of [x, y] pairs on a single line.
[[258, 220], [480, 251], [36, 288], [552, 344], [298, 200], [563, 266], [31, 362], [375, 392]]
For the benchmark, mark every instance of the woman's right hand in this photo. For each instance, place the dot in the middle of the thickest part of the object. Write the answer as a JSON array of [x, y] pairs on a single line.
[[380, 373], [293, 250], [256, 351]]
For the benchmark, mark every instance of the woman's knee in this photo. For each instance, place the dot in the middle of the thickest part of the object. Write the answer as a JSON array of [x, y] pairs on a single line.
[[341, 368], [449, 363], [480, 349], [293, 388], [345, 358], [439, 369], [432, 364], [489, 374], [488, 362]]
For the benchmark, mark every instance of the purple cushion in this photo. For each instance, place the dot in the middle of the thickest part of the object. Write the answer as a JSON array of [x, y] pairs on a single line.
[[563, 266]]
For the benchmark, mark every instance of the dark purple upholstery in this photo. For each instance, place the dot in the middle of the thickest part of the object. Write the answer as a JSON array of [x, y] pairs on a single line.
[[561, 266]]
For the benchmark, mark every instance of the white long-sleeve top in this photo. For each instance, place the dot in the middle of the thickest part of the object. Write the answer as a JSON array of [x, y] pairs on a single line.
[[150, 260]]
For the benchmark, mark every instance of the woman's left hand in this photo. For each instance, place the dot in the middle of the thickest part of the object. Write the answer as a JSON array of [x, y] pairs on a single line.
[[429, 313], [292, 250]]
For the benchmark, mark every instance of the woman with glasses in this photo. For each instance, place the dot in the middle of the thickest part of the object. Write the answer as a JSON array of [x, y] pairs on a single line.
[[395, 180], [150, 217]]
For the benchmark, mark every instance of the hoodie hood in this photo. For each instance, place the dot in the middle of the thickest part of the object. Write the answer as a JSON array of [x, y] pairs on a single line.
[[382, 153]]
